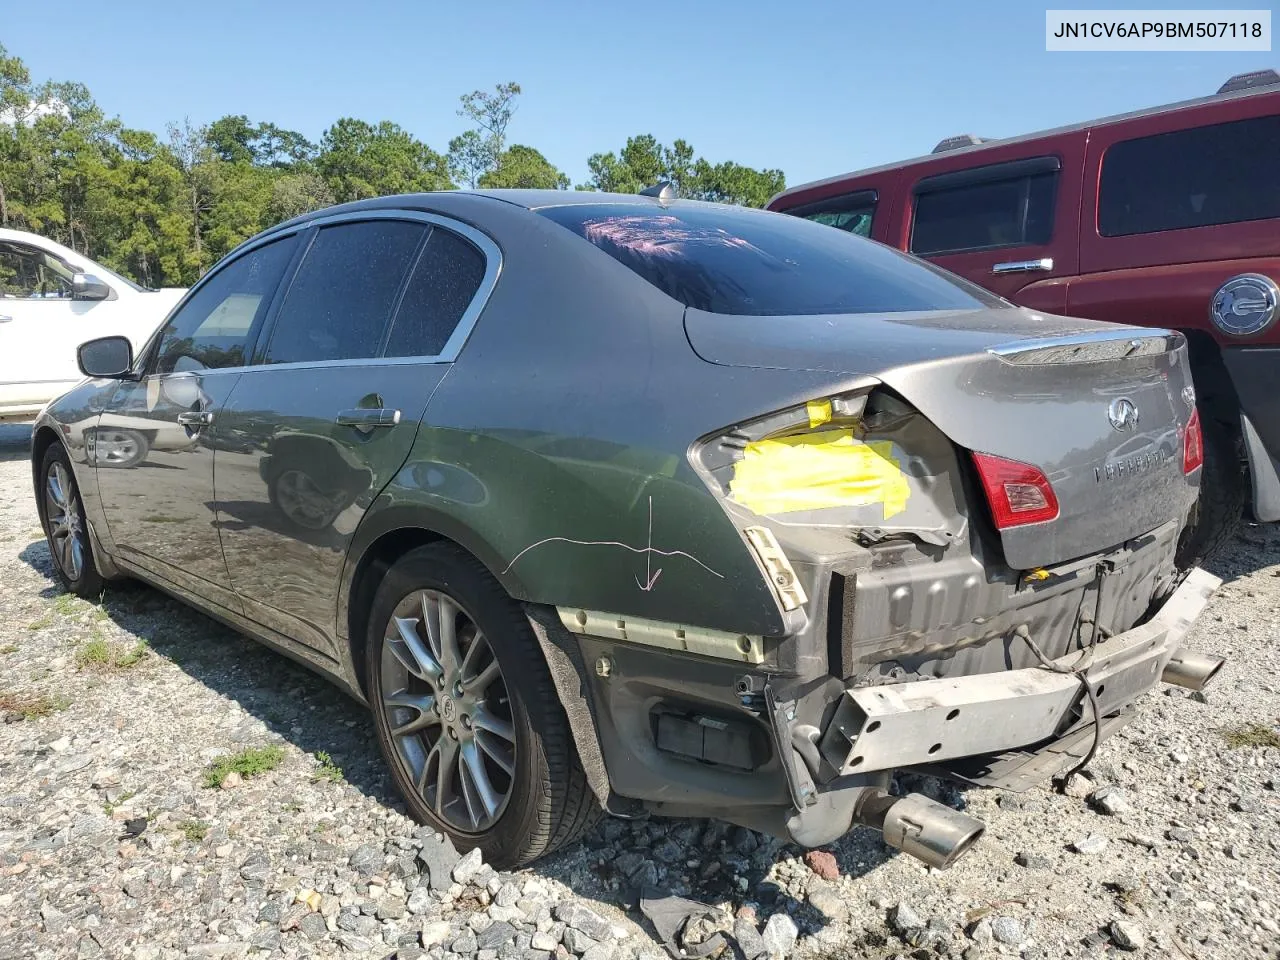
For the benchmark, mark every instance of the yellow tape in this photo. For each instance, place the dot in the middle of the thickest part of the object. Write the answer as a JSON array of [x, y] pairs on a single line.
[[819, 412], [813, 471]]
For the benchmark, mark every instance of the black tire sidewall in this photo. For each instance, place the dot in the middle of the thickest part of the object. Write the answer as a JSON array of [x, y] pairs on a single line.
[[1222, 497], [444, 568], [90, 583]]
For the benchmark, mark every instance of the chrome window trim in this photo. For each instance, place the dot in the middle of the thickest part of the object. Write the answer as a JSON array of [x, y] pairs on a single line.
[[466, 323]]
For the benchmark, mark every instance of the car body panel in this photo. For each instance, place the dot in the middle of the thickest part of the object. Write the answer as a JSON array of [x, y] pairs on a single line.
[[160, 513], [293, 493], [39, 336]]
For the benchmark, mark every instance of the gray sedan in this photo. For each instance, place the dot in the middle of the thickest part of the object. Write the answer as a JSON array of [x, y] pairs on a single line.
[[640, 504]]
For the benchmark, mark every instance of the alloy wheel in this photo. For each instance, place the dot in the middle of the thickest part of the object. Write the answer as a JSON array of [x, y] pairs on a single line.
[[448, 710], [66, 525]]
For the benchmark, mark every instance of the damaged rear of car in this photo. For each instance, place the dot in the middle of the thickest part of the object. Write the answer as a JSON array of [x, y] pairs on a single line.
[[965, 513]]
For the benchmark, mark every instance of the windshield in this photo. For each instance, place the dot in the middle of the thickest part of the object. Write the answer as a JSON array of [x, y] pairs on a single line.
[[733, 260]]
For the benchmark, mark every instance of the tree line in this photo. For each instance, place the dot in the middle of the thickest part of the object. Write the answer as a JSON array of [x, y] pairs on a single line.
[[163, 208]]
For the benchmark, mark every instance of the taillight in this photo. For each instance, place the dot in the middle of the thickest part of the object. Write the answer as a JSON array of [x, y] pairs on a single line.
[[1017, 492], [1192, 444]]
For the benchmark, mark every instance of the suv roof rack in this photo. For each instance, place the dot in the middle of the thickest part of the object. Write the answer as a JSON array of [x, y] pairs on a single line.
[[1245, 81], [958, 141]]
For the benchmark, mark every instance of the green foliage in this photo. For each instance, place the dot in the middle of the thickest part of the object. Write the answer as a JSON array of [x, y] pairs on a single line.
[[29, 706], [523, 167], [100, 654], [359, 160], [195, 830], [1251, 735], [247, 763], [163, 209], [326, 768], [643, 162]]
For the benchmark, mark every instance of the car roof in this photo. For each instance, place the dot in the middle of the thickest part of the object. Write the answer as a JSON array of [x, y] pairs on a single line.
[[978, 148]]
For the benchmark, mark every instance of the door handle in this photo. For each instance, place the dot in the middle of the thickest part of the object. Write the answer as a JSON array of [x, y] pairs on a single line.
[[6, 319], [1024, 266], [365, 419], [195, 418]]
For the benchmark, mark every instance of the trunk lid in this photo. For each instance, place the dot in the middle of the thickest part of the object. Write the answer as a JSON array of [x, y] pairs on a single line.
[[1099, 408]]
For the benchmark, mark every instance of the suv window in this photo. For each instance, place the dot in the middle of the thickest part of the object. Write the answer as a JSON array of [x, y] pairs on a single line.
[[211, 330], [342, 297], [1224, 173], [984, 209], [749, 262], [852, 212], [444, 282], [27, 274]]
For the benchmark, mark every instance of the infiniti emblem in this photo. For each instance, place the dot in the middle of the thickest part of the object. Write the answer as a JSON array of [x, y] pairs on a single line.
[[447, 709], [1123, 414]]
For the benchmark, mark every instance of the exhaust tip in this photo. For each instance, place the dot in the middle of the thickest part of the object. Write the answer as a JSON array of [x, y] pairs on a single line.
[[930, 831], [1192, 670]]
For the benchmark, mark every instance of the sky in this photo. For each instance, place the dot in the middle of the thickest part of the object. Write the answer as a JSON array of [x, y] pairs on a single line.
[[812, 88]]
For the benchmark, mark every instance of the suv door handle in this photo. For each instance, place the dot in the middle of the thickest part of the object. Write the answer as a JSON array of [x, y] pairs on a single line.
[[365, 419], [6, 319], [195, 418], [1023, 266]]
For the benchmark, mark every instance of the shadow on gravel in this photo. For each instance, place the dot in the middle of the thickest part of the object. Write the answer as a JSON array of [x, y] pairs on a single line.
[[1256, 545]]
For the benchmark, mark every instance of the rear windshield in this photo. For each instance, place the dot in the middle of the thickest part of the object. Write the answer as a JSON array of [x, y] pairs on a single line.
[[747, 262]]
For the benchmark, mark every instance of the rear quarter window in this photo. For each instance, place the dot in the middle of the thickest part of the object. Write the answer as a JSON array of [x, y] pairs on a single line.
[[989, 212], [1222, 173], [731, 260]]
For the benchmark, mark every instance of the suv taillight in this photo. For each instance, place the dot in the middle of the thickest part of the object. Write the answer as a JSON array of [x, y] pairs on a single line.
[[1192, 444], [1017, 492]]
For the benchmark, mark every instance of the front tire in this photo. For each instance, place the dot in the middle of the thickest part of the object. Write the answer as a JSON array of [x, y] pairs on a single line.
[[1223, 490], [65, 527], [466, 713]]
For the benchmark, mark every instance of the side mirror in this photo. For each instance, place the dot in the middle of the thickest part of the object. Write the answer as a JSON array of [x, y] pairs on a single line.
[[85, 286], [107, 357]]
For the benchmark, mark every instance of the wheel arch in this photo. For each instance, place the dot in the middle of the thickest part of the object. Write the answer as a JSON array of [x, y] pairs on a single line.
[[1214, 388], [388, 533], [42, 438]]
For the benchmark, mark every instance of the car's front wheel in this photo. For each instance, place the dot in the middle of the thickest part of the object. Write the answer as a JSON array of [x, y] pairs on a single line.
[[466, 713], [62, 515]]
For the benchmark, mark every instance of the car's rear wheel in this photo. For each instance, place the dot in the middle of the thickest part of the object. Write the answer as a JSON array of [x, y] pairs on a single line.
[[466, 713], [1223, 490], [63, 519]]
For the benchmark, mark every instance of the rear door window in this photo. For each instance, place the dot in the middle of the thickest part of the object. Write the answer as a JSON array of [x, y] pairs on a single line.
[[852, 212], [1003, 205], [733, 260], [444, 283], [1222, 173], [345, 291]]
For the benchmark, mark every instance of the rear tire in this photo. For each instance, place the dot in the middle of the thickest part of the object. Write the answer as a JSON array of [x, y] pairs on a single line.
[[545, 800], [1223, 491], [65, 527]]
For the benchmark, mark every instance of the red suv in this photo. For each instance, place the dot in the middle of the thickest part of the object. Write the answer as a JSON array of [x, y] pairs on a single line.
[[1168, 217]]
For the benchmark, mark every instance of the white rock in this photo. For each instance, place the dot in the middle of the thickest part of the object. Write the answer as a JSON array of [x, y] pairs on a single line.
[[1128, 935]]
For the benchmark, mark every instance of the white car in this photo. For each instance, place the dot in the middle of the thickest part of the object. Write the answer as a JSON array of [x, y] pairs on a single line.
[[52, 299]]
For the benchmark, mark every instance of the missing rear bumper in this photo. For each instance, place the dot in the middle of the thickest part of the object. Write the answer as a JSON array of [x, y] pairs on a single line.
[[929, 721]]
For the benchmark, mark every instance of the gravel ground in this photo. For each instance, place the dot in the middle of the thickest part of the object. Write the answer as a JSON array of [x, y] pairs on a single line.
[[114, 843]]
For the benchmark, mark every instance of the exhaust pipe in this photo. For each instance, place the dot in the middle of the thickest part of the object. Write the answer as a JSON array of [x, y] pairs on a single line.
[[1192, 670], [919, 826]]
